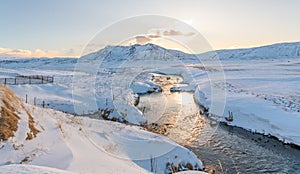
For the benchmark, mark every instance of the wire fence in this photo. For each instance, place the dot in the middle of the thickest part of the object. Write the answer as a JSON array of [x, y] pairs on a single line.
[[34, 79], [36, 101]]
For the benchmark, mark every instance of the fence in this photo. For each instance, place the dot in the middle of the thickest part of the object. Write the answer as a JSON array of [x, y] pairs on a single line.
[[20, 80], [36, 101]]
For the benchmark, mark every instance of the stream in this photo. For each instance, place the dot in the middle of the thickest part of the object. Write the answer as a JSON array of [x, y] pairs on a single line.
[[223, 149]]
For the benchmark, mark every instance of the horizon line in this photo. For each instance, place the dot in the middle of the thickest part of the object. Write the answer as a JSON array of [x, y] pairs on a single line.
[[4, 57]]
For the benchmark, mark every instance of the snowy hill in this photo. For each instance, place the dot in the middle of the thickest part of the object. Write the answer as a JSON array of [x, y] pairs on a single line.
[[15, 120], [51, 140], [275, 51], [146, 56]]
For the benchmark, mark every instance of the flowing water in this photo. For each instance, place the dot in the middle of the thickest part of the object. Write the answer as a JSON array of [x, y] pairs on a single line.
[[222, 148]]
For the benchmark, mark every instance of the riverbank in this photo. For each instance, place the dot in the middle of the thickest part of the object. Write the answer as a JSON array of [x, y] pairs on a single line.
[[223, 148], [204, 111]]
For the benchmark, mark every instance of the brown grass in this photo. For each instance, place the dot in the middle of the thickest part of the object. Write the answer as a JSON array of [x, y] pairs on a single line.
[[9, 118], [181, 167], [25, 160], [33, 130], [158, 129]]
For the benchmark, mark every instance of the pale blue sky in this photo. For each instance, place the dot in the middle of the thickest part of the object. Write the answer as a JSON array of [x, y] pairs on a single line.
[[63, 27]]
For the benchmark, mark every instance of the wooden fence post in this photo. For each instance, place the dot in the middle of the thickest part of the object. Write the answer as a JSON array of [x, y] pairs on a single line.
[[4, 81], [26, 98], [143, 109]]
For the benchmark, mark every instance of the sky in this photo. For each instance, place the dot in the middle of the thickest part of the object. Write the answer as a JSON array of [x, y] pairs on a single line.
[[63, 28]]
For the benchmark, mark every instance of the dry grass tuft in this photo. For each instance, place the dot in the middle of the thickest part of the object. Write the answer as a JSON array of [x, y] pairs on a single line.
[[8, 119], [33, 130]]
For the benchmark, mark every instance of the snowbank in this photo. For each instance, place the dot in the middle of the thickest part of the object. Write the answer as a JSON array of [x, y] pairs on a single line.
[[32, 169], [262, 94]]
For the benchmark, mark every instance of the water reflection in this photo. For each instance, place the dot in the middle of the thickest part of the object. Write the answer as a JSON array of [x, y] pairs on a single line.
[[225, 149]]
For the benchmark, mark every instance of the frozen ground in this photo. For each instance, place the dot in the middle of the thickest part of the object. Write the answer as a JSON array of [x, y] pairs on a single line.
[[260, 84]]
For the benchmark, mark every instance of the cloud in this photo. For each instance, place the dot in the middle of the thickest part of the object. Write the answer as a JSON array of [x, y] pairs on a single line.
[[9, 52], [154, 34], [142, 39], [176, 33]]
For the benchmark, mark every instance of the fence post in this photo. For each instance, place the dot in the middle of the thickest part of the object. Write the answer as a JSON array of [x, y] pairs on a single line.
[[26, 98], [4, 81], [15, 80], [143, 109], [34, 101], [43, 103]]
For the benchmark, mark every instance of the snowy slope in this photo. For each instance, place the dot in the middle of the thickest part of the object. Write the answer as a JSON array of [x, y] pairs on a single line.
[[262, 89], [26, 169], [85, 145], [275, 51]]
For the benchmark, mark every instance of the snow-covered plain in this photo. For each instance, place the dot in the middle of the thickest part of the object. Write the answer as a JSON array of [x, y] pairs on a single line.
[[261, 84], [262, 91]]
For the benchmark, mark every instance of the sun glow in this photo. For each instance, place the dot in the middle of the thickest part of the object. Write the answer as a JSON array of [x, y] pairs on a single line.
[[188, 21]]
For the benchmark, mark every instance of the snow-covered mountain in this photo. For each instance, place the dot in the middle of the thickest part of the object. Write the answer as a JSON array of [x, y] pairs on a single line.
[[275, 51], [149, 55], [139, 52]]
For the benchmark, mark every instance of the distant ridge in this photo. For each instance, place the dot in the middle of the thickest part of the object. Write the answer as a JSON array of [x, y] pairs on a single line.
[[274, 51]]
